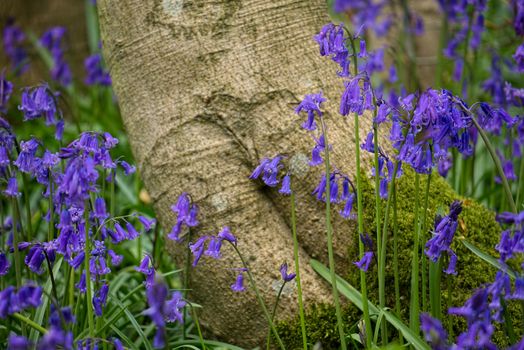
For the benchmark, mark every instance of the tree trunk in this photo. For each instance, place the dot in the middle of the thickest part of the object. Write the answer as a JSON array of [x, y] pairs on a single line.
[[208, 88]]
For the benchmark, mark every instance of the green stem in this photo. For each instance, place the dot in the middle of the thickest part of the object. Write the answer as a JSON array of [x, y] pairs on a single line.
[[422, 236], [434, 289], [259, 297], [297, 270], [27, 203], [199, 330], [380, 239], [329, 232], [87, 253], [29, 322], [395, 255], [360, 217], [186, 281], [18, 270], [51, 233], [268, 342], [414, 299], [520, 183], [498, 165]]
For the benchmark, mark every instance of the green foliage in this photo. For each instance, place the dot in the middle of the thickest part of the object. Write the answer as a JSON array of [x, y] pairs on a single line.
[[476, 223]]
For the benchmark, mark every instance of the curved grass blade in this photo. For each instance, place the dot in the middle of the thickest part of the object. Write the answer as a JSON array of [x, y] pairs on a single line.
[[123, 337], [356, 298], [488, 258], [134, 323], [40, 312]]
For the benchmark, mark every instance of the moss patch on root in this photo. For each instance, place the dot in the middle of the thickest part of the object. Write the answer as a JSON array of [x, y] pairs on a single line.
[[476, 223]]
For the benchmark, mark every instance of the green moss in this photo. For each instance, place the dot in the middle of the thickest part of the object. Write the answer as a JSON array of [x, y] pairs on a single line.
[[476, 223]]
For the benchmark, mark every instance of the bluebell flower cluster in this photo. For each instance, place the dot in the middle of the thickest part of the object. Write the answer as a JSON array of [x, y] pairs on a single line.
[[341, 191], [443, 235], [13, 300], [268, 170], [434, 334], [39, 102], [96, 74], [52, 40], [13, 41], [186, 216]]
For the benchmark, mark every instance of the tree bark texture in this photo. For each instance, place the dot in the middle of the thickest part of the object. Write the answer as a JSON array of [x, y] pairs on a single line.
[[208, 88]]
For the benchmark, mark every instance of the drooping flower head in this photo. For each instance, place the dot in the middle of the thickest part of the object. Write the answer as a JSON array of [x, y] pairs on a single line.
[[311, 104], [95, 72], [186, 216], [13, 40], [443, 237]]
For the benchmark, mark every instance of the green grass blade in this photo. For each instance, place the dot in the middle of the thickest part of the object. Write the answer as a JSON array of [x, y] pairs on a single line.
[[134, 323], [488, 258], [212, 343], [123, 337], [356, 298], [40, 312]]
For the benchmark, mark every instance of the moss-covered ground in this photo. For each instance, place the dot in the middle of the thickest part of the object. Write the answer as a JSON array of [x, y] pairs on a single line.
[[476, 223]]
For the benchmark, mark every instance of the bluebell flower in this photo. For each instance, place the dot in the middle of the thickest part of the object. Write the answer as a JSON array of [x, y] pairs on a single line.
[[18, 342], [12, 300], [26, 158], [368, 145], [477, 313], [186, 215], [286, 185], [100, 299], [238, 286], [434, 333], [518, 21], [52, 41], [132, 233], [148, 271], [213, 247], [95, 72], [268, 169], [443, 236], [12, 188], [519, 58], [147, 223], [348, 207], [13, 40], [174, 307], [320, 146], [363, 263], [128, 169], [81, 285], [100, 211], [6, 88], [4, 264], [351, 100], [161, 310], [331, 41], [363, 52], [286, 277], [226, 235], [197, 249], [311, 105]]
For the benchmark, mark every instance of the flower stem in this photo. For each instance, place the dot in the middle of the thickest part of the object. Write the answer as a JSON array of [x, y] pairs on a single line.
[[329, 232], [498, 165], [297, 270], [16, 218], [87, 253], [274, 313], [360, 217], [434, 289], [422, 236], [414, 298], [395, 255], [380, 241], [259, 297]]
